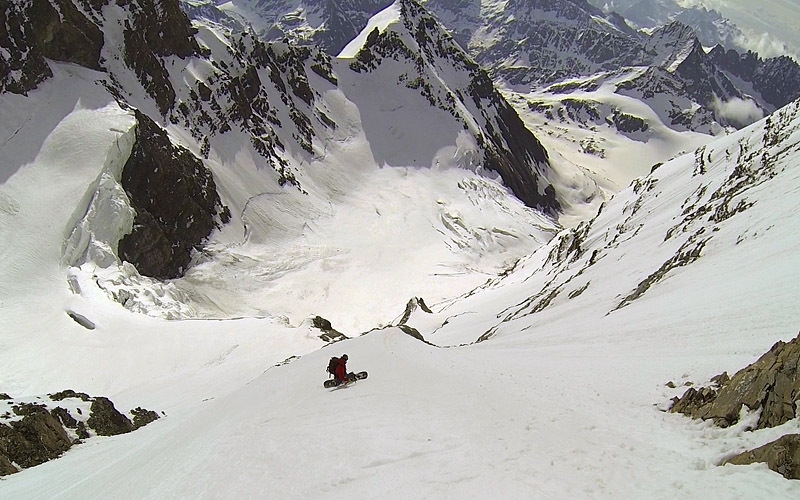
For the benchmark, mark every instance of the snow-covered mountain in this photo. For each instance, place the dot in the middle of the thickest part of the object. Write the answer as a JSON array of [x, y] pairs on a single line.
[[328, 24], [765, 28], [548, 42], [534, 44], [712, 27], [688, 272], [234, 141], [432, 64], [315, 199]]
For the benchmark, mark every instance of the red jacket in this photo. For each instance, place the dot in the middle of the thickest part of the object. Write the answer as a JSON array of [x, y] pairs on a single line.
[[341, 370]]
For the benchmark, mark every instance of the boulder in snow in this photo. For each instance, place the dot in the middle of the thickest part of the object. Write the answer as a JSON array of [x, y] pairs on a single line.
[[771, 384], [781, 456]]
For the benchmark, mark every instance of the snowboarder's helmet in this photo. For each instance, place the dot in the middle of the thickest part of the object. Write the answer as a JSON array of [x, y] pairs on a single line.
[[344, 357]]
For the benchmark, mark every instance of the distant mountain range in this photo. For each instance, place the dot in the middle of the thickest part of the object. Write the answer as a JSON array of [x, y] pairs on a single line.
[[537, 43]]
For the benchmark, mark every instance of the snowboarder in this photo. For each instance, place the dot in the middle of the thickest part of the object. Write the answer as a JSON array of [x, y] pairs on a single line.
[[340, 373], [338, 368]]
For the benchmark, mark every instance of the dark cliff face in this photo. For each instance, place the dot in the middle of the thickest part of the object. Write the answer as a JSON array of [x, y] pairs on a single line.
[[42, 29], [22, 66], [65, 34], [703, 79], [148, 38], [61, 31], [176, 203], [511, 149]]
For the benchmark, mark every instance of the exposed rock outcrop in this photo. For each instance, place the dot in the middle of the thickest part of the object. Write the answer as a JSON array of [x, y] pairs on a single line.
[[106, 420], [148, 38], [70, 31], [33, 440], [781, 456], [32, 433], [64, 33], [329, 333], [142, 417], [6, 467], [176, 202], [42, 29], [771, 384], [412, 305]]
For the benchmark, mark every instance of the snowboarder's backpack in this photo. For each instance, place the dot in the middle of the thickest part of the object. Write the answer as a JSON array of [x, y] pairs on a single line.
[[332, 365]]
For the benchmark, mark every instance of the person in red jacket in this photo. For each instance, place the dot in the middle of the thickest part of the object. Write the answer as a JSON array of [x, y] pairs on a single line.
[[340, 373]]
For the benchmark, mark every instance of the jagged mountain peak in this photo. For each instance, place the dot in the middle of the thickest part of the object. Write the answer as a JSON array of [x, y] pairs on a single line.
[[772, 79], [675, 31], [672, 44], [436, 67], [420, 32], [329, 24], [532, 44]]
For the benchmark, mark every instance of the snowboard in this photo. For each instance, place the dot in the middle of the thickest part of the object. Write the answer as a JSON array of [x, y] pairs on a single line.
[[352, 376]]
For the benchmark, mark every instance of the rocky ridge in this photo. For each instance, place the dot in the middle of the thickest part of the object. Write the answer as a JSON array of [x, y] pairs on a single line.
[[773, 79], [740, 169]]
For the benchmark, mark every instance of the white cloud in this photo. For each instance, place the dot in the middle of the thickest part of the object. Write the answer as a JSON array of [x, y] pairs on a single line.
[[766, 29], [739, 112], [764, 44]]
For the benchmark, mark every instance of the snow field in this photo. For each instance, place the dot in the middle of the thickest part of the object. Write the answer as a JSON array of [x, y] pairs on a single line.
[[473, 422]]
